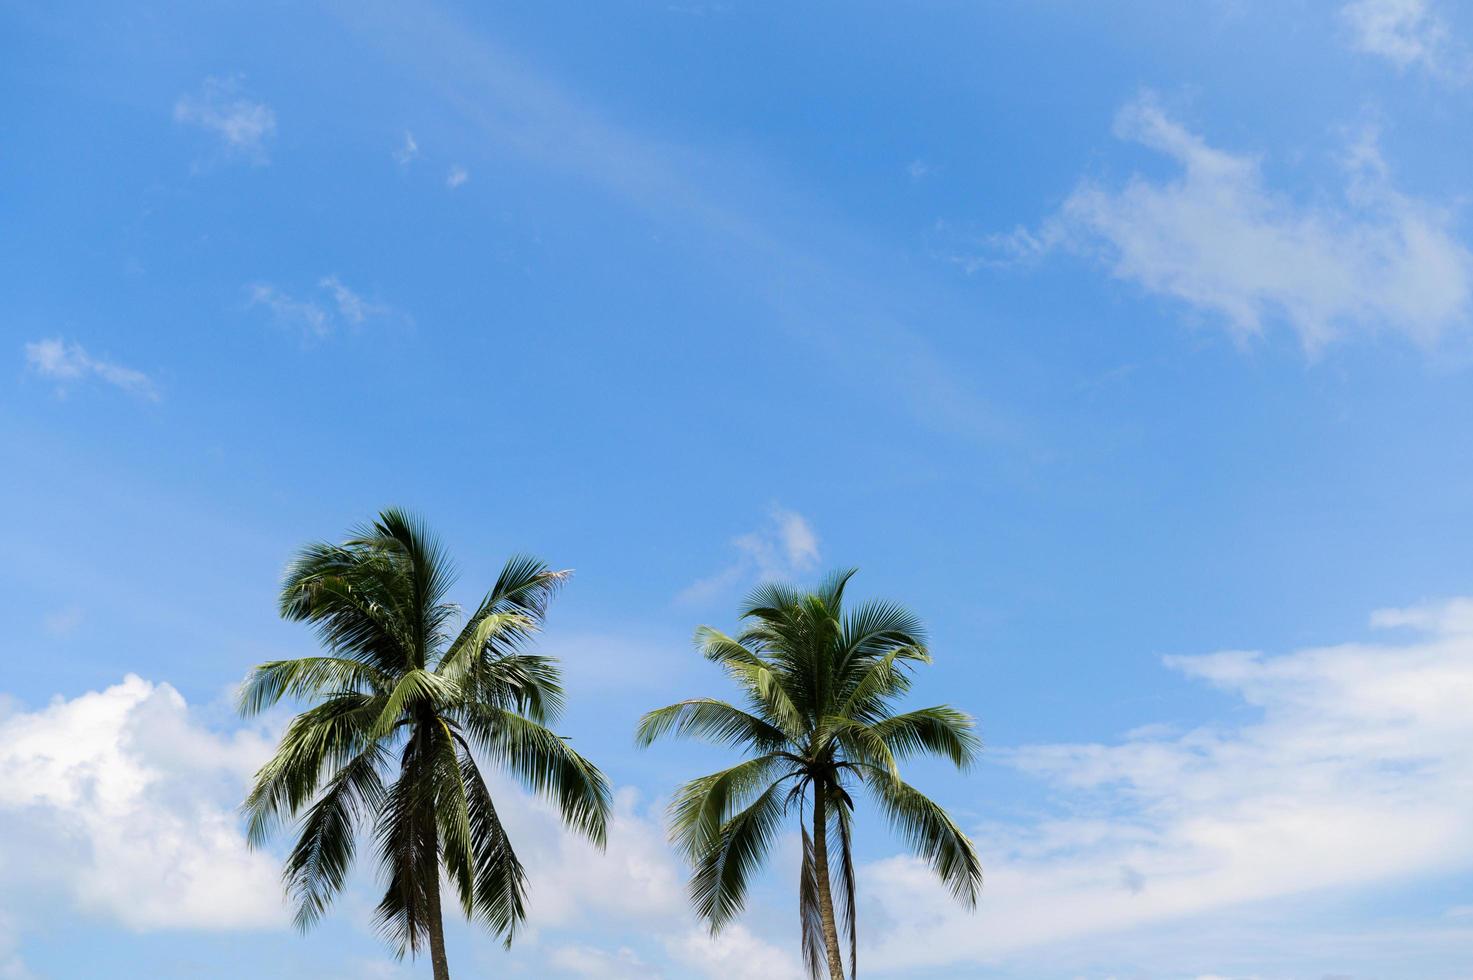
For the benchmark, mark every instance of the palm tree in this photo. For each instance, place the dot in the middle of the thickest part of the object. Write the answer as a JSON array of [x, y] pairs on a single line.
[[404, 704], [818, 684]]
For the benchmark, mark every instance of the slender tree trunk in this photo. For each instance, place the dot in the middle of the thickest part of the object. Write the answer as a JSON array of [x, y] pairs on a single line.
[[438, 963], [821, 872]]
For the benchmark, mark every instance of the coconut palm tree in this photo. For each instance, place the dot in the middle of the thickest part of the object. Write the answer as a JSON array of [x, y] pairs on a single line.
[[406, 702], [818, 685]]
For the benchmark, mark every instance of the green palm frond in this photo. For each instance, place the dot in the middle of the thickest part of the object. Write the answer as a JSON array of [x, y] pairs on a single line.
[[500, 881], [326, 736], [341, 594], [318, 864], [719, 885], [880, 680], [704, 805], [545, 764], [841, 816], [810, 912], [415, 689], [408, 849], [931, 834], [940, 730], [306, 677], [712, 720]]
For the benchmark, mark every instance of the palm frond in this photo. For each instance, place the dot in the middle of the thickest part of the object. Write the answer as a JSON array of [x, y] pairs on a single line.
[[500, 880], [415, 688], [931, 834], [319, 862], [304, 677], [703, 806], [349, 599], [408, 850], [841, 816], [544, 763], [719, 884], [427, 569], [712, 720], [324, 737], [878, 681], [764, 686], [941, 730]]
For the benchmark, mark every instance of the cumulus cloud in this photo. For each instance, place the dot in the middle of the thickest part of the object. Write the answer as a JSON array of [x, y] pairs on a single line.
[[1218, 239], [735, 954], [1356, 770], [784, 547], [122, 802], [67, 363], [1408, 33], [242, 126], [316, 318]]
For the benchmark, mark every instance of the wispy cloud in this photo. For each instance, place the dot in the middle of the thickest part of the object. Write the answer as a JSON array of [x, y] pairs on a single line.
[[783, 547], [815, 275], [1218, 239], [244, 127], [316, 319], [1354, 770], [300, 314], [408, 150], [351, 306], [62, 622], [68, 363], [458, 175], [1408, 33]]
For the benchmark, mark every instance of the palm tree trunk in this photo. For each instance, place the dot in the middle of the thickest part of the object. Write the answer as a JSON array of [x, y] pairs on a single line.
[[821, 872], [438, 963]]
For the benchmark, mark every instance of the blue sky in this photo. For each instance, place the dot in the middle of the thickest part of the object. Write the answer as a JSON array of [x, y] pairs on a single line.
[[1129, 344]]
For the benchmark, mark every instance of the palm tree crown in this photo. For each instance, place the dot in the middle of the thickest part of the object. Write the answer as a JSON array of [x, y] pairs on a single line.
[[818, 683], [405, 701]]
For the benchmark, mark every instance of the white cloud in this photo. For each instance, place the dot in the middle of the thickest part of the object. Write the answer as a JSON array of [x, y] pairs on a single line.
[[117, 799], [351, 306], [243, 126], [1453, 616], [1216, 238], [312, 318], [735, 954], [784, 547], [68, 363], [407, 151], [634, 887], [122, 804], [590, 961], [458, 175], [1356, 771], [304, 315], [1408, 33], [634, 880]]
